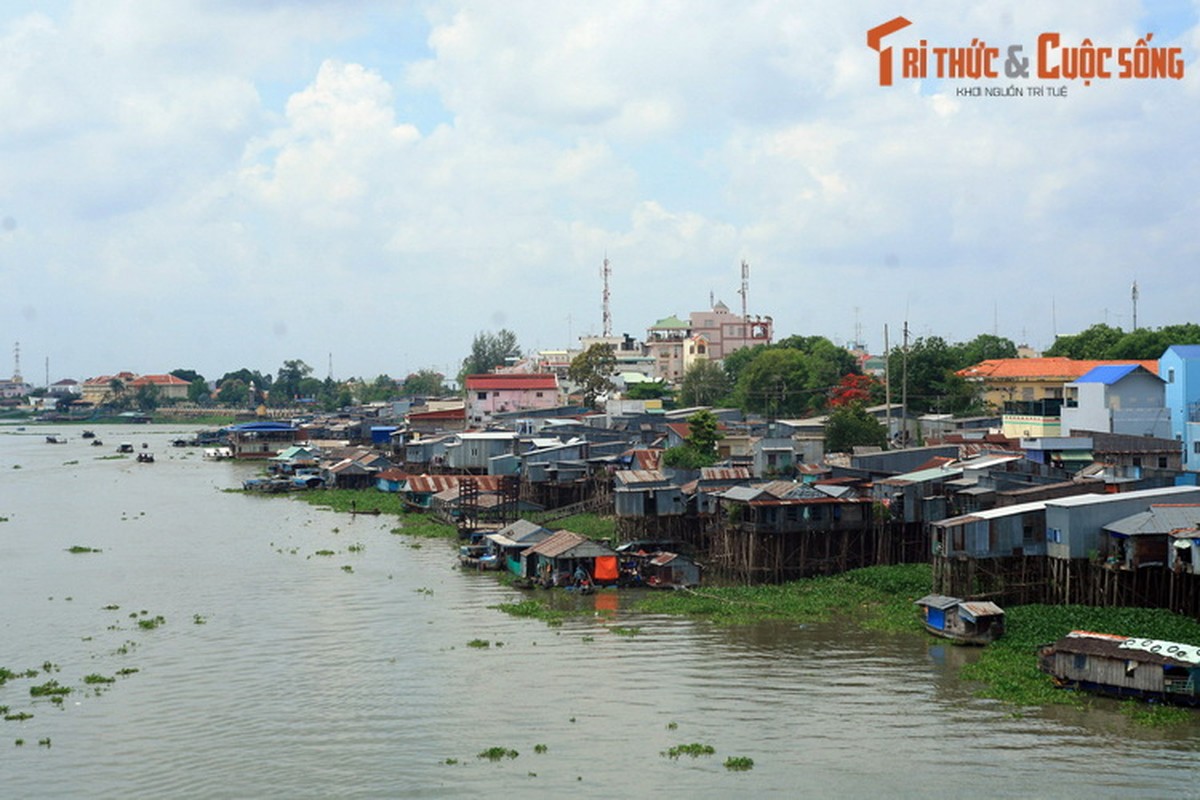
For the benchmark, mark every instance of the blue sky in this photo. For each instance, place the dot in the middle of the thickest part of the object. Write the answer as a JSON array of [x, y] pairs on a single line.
[[214, 185]]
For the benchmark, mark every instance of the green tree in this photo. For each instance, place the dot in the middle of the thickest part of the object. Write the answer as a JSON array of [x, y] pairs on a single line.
[[849, 426], [147, 397], [984, 347], [592, 372], [198, 390], [425, 383], [234, 392], [933, 385], [1093, 343], [286, 387], [489, 351], [649, 390], [775, 383], [699, 448], [704, 384], [189, 375], [382, 389]]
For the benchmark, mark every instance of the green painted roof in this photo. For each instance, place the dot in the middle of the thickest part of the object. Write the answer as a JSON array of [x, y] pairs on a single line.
[[670, 322]]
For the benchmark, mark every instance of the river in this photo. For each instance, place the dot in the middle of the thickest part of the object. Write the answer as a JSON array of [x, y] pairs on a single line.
[[278, 672]]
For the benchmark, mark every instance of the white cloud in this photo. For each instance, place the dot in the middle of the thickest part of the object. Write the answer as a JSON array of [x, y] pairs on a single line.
[[289, 179]]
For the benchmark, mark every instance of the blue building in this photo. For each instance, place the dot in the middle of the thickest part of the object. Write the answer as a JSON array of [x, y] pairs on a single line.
[[1179, 366]]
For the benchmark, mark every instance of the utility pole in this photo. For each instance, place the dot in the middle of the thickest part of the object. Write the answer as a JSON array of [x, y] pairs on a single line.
[[743, 292], [606, 273], [887, 385], [904, 392]]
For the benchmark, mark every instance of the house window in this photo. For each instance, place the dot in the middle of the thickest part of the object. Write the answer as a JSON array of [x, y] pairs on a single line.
[[1027, 534], [1080, 661], [481, 395], [1196, 447], [537, 394], [1162, 462], [1137, 461], [1170, 375], [495, 394]]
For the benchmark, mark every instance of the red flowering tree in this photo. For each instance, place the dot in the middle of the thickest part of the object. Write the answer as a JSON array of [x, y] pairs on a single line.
[[853, 389]]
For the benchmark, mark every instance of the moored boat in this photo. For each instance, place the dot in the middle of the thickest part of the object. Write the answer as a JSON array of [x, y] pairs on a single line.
[[961, 621], [1124, 666]]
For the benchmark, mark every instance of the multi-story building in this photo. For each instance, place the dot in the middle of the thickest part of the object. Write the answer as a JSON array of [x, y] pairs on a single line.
[[495, 393], [674, 345], [1179, 367]]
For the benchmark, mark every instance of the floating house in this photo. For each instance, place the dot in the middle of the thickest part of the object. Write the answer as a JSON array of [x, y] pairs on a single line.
[[670, 571], [510, 541], [555, 560], [963, 621], [1145, 539], [259, 439], [1124, 666]]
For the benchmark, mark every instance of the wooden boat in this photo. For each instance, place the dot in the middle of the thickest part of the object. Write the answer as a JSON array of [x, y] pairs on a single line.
[[125, 447], [145, 458], [961, 621], [88, 435], [56, 439], [1124, 666]]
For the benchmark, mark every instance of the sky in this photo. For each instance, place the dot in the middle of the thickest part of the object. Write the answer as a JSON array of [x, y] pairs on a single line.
[[365, 186]]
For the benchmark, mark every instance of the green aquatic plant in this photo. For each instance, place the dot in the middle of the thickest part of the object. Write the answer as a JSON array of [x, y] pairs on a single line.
[[112, 607], [479, 643], [693, 750], [19, 716], [621, 630], [347, 568], [540, 748], [739, 763], [127, 671], [49, 688], [498, 753], [151, 623], [78, 548], [96, 678], [325, 553], [199, 620]]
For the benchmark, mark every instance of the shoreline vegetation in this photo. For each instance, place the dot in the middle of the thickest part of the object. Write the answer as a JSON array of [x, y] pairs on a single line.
[[879, 598]]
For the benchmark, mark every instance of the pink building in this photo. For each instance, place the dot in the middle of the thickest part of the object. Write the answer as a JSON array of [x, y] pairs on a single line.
[[488, 395]]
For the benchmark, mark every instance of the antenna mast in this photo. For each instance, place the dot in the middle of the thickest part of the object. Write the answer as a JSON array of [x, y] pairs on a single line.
[[16, 362], [1134, 294], [606, 273], [745, 290]]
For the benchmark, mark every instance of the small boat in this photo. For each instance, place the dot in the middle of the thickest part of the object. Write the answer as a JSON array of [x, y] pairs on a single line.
[[125, 447], [56, 439], [88, 435], [145, 458], [1124, 666], [97, 443], [961, 621]]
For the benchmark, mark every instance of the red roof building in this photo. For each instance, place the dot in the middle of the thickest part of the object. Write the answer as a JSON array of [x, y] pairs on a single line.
[[488, 395]]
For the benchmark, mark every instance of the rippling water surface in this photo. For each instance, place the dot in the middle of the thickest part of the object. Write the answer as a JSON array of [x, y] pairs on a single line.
[[280, 673]]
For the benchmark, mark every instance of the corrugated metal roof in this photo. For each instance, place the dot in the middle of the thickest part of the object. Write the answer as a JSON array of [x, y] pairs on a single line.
[[938, 601], [567, 544], [980, 608], [1159, 520], [1150, 651], [724, 473], [629, 477], [514, 380], [1107, 374]]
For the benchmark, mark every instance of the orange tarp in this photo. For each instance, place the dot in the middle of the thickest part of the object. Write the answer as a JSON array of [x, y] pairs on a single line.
[[606, 568]]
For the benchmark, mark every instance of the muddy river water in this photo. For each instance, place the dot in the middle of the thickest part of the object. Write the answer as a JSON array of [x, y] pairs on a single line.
[[278, 672]]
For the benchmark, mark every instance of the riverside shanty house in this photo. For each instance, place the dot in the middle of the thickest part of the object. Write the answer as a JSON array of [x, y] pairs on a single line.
[[555, 560], [646, 493], [1125, 666], [788, 507], [1146, 539], [262, 439], [509, 542]]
